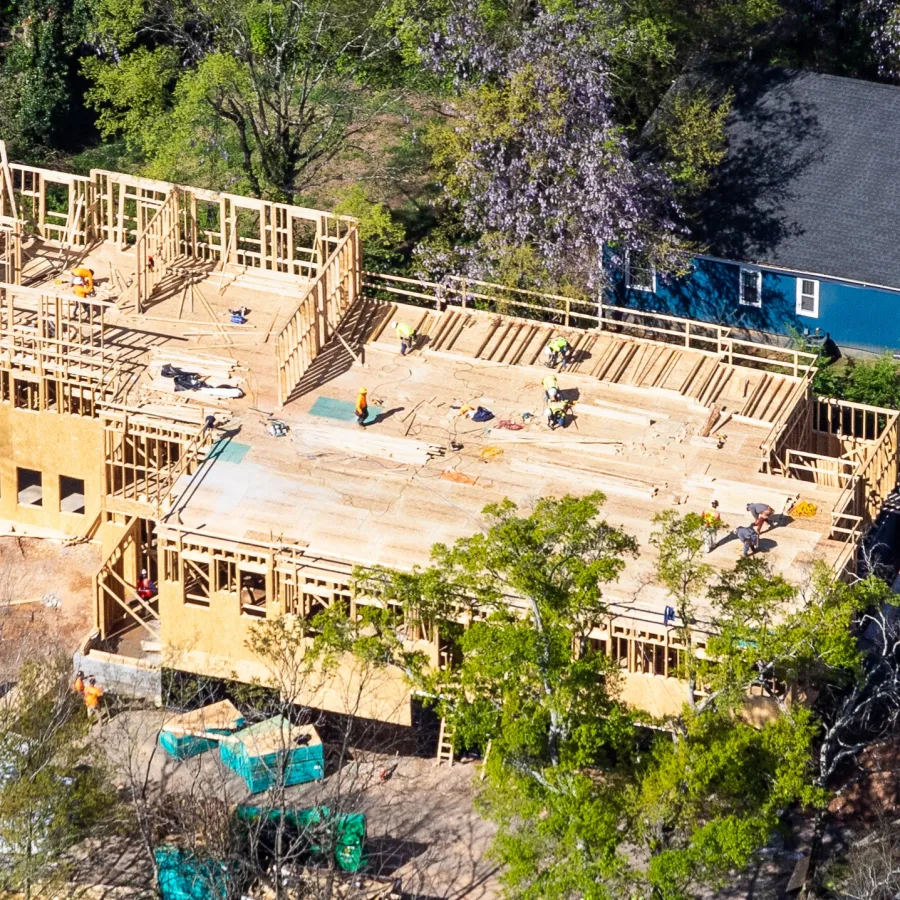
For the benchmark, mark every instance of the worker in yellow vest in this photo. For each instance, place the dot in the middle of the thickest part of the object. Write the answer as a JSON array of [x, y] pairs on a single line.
[[406, 334], [551, 388], [556, 413]]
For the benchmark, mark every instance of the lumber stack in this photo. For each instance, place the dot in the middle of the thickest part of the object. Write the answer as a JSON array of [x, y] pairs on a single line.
[[364, 442]]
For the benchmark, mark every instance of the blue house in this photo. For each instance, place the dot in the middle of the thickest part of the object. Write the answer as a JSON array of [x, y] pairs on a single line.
[[801, 227]]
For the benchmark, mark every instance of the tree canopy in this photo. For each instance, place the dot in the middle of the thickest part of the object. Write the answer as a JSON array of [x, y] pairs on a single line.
[[594, 798]]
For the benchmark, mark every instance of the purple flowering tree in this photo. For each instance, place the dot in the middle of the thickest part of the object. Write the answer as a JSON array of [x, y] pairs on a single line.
[[533, 156]]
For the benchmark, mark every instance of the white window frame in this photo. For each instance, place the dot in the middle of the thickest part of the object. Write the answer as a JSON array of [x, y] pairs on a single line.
[[757, 273], [814, 312], [631, 284]]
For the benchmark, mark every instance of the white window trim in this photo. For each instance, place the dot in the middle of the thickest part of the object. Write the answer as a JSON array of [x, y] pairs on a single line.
[[750, 270], [814, 312], [631, 285]]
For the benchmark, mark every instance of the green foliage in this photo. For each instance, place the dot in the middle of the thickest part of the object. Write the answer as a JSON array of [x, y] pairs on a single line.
[[693, 139], [380, 233], [875, 382], [38, 103], [250, 95], [681, 543], [53, 791], [707, 802]]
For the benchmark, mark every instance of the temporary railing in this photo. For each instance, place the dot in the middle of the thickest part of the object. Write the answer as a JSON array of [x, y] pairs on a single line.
[[578, 313], [319, 314], [819, 469]]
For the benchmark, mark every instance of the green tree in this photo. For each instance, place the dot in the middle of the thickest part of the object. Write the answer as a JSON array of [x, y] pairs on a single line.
[[54, 791], [875, 382], [589, 801], [380, 234], [40, 104], [680, 567], [262, 93]]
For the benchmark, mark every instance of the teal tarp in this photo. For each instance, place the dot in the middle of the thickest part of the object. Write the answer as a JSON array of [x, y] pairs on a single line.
[[342, 410], [184, 876], [185, 746], [265, 754], [227, 450], [349, 835]]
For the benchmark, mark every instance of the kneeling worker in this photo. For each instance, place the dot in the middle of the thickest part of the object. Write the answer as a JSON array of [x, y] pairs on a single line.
[[556, 413], [551, 388], [558, 347]]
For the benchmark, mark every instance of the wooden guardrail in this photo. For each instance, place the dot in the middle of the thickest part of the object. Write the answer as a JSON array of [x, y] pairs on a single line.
[[578, 313]]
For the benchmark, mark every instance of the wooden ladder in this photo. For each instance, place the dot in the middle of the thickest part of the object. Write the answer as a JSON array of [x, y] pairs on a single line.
[[445, 744]]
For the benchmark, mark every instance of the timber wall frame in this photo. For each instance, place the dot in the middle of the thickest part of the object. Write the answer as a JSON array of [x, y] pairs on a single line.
[[144, 456], [320, 314], [10, 250], [167, 222], [52, 352]]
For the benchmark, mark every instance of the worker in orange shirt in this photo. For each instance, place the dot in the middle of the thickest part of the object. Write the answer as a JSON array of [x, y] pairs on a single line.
[[78, 684], [362, 406], [92, 696], [83, 281]]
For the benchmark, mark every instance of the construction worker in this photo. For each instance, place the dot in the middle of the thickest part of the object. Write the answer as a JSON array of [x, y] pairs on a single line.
[[712, 522], [92, 696], [83, 281], [362, 407], [748, 537], [556, 413], [406, 334], [78, 684], [145, 587], [551, 388], [761, 513], [558, 347]]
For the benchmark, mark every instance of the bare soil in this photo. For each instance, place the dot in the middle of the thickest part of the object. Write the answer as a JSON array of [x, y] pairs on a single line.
[[30, 569]]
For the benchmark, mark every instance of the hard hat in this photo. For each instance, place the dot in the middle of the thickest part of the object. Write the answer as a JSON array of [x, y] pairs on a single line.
[[143, 573], [364, 390]]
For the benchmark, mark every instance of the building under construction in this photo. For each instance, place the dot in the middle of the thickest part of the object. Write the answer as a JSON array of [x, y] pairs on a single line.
[[261, 315]]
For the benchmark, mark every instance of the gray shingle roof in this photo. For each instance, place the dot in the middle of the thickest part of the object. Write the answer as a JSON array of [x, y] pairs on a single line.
[[812, 177]]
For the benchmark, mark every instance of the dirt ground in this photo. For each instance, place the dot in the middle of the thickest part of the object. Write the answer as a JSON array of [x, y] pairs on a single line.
[[422, 825], [30, 569]]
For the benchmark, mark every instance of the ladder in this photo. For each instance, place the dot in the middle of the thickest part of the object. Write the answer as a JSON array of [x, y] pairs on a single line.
[[445, 744]]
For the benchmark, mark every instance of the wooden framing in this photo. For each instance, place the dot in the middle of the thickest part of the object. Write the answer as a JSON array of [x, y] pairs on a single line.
[[573, 312], [52, 351], [10, 250], [157, 248], [144, 457], [319, 314], [117, 606]]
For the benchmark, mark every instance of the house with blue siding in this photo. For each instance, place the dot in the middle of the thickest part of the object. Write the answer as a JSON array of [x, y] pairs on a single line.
[[800, 230]]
